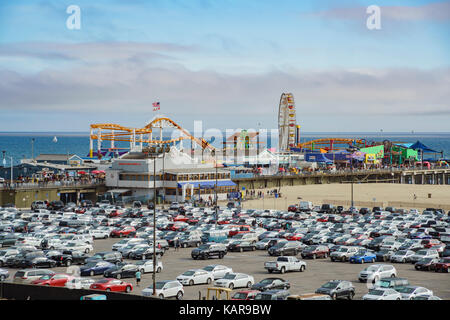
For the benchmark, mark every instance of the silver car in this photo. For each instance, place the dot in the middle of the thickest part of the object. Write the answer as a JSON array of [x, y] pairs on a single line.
[[382, 294], [402, 256], [410, 292], [376, 272], [425, 253]]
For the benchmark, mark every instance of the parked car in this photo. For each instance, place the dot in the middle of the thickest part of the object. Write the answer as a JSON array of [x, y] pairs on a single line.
[[442, 265], [315, 251], [425, 264], [343, 253], [29, 275], [241, 246], [206, 251], [271, 284], [283, 264], [363, 257], [218, 271], [409, 292], [337, 289], [165, 289], [111, 284], [146, 266], [122, 270], [235, 280], [289, 248], [79, 283], [56, 280], [95, 268], [376, 272], [4, 274], [195, 276], [425, 253], [393, 283], [402, 256], [245, 295], [108, 256], [272, 295], [382, 294], [384, 255]]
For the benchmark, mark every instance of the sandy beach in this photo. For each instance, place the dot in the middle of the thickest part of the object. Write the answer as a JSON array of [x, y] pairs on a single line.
[[365, 195]]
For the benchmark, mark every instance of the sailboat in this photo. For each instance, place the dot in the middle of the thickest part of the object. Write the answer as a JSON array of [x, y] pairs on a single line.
[[55, 140]]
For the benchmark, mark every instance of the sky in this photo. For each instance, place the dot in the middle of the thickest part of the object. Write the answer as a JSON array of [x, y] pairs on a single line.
[[225, 62]]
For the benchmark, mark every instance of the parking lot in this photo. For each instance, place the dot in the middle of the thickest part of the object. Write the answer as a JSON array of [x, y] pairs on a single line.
[[318, 272]]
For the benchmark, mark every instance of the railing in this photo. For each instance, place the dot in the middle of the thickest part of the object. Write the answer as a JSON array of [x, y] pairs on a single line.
[[50, 184]]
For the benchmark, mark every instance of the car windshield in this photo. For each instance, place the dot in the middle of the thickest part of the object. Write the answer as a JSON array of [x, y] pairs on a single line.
[[376, 292], [266, 281], [229, 276], [204, 247], [209, 268], [401, 252], [383, 284], [371, 269], [426, 260], [330, 285], [189, 273]]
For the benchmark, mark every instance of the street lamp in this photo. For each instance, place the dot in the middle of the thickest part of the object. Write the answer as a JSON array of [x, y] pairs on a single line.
[[153, 153]]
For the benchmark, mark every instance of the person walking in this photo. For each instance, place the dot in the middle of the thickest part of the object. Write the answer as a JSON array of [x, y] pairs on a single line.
[[177, 244], [138, 278]]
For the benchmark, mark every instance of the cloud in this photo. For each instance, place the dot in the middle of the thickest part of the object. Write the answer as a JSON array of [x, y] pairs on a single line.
[[124, 85], [438, 11]]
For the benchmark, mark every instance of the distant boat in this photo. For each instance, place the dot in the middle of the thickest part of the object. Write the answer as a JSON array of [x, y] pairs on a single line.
[[55, 140]]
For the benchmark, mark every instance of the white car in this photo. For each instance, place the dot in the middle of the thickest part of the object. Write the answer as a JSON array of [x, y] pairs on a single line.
[[376, 272], [99, 234], [382, 294], [402, 256], [422, 254], [146, 266], [75, 246], [235, 280], [218, 271], [79, 283], [195, 276], [165, 289], [410, 292]]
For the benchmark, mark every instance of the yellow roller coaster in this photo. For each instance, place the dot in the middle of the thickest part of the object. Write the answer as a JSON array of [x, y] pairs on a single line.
[[114, 132]]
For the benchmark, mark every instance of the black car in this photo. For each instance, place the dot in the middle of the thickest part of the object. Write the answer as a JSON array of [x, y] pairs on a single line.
[[38, 262], [56, 205], [190, 242], [337, 289], [109, 256], [146, 253], [121, 270], [67, 258], [272, 295], [289, 248], [241, 246], [87, 203], [271, 284], [206, 251]]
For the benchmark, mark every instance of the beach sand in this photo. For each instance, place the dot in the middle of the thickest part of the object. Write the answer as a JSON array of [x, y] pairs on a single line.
[[365, 195]]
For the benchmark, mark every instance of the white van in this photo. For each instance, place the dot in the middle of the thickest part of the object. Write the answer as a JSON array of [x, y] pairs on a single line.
[[305, 206]]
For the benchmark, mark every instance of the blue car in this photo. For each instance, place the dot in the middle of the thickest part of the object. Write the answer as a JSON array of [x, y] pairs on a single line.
[[363, 256], [4, 274], [95, 268]]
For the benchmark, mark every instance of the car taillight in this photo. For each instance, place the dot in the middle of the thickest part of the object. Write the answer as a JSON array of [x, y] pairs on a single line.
[[24, 278]]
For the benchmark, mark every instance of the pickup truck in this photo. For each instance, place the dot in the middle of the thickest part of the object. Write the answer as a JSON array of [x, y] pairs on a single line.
[[284, 264]]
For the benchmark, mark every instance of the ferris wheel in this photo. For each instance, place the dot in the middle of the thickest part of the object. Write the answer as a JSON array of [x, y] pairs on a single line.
[[286, 122]]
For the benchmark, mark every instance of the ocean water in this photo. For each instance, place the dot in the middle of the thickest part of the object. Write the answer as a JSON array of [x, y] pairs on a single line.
[[19, 145]]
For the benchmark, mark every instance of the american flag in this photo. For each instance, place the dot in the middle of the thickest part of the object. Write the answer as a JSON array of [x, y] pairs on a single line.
[[156, 106]]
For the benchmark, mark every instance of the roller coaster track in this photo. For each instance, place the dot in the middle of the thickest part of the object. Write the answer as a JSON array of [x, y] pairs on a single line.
[[116, 132]]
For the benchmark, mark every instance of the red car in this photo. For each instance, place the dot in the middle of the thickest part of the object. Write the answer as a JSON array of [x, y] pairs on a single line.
[[241, 229], [429, 243], [442, 265], [124, 232], [56, 280], [292, 208], [245, 295], [111, 284], [181, 218], [115, 213], [294, 237], [323, 219], [80, 210]]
